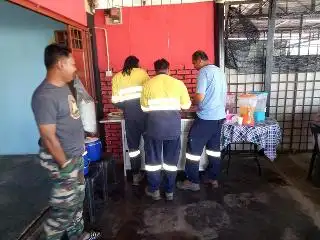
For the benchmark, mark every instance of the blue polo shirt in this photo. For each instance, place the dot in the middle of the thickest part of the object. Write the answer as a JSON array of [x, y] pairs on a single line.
[[212, 83]]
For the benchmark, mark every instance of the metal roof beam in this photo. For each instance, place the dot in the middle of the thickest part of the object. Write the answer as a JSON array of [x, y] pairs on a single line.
[[284, 15]]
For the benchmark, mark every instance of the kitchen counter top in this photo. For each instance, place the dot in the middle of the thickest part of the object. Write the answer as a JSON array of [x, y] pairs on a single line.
[[119, 120], [185, 116], [186, 122], [111, 120]]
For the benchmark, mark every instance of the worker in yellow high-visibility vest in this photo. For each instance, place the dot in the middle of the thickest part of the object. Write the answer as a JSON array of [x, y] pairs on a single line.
[[162, 98], [126, 92]]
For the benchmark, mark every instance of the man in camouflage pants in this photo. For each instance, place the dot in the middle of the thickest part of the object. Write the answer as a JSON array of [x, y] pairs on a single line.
[[62, 145], [66, 197]]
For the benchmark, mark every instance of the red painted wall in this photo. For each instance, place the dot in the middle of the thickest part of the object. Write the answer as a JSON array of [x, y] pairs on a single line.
[[170, 31], [73, 9]]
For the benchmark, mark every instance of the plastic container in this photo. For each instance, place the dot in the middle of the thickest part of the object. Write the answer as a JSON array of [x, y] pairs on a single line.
[[88, 116], [94, 149], [230, 106], [86, 106], [262, 98], [259, 116], [261, 107], [247, 104]]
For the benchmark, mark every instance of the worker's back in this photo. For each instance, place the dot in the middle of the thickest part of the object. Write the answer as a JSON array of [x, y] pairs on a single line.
[[126, 92], [212, 83], [163, 97]]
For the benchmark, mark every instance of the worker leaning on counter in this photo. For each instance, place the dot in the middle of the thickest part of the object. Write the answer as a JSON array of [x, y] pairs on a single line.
[[206, 128], [162, 98], [126, 93]]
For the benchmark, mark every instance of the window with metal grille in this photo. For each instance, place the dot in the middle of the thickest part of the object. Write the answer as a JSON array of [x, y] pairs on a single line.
[[76, 39]]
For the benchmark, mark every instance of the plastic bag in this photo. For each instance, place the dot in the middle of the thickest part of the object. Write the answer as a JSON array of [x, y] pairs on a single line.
[[86, 106]]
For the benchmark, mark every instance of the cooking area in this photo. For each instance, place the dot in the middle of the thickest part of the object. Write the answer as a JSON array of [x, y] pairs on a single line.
[[187, 118]]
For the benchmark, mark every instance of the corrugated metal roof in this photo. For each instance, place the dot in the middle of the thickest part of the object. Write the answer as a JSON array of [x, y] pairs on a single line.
[[289, 13]]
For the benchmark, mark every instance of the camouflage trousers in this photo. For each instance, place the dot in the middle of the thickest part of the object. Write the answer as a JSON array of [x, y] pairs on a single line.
[[66, 201]]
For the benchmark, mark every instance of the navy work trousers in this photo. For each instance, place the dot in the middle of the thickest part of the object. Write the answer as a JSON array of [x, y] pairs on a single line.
[[203, 133], [154, 149], [134, 131]]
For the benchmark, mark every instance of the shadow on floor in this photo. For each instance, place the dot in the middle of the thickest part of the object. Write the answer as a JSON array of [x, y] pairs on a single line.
[[24, 192], [245, 207]]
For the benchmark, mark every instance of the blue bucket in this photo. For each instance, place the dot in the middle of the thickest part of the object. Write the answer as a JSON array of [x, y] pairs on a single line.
[[86, 162], [94, 149], [86, 169]]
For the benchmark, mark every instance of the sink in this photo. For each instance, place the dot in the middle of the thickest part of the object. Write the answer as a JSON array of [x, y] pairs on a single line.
[[187, 114]]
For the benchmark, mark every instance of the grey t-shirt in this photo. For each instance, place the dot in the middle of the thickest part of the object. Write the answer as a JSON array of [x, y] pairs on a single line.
[[56, 105]]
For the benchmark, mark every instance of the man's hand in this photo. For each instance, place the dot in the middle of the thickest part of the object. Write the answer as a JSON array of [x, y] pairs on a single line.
[[119, 105], [50, 140], [198, 97], [194, 108], [67, 169]]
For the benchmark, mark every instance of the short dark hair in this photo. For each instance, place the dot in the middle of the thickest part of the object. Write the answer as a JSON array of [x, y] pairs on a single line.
[[161, 64], [200, 55], [53, 53], [130, 63]]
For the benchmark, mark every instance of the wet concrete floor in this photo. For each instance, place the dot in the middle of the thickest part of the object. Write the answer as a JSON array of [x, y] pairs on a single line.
[[24, 193], [246, 206]]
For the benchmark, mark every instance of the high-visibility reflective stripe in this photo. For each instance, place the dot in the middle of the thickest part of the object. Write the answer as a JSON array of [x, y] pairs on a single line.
[[152, 168], [163, 101], [144, 109], [126, 94], [131, 96], [85, 153], [186, 106], [115, 99], [170, 168], [160, 108], [213, 153], [192, 157], [162, 104], [134, 153], [125, 91]]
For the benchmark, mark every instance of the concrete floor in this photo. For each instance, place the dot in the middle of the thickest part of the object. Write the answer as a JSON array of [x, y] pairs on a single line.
[[247, 206], [24, 191], [294, 168]]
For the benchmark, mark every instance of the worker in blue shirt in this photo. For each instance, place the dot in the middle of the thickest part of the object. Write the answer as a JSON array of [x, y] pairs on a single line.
[[205, 131], [162, 99]]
